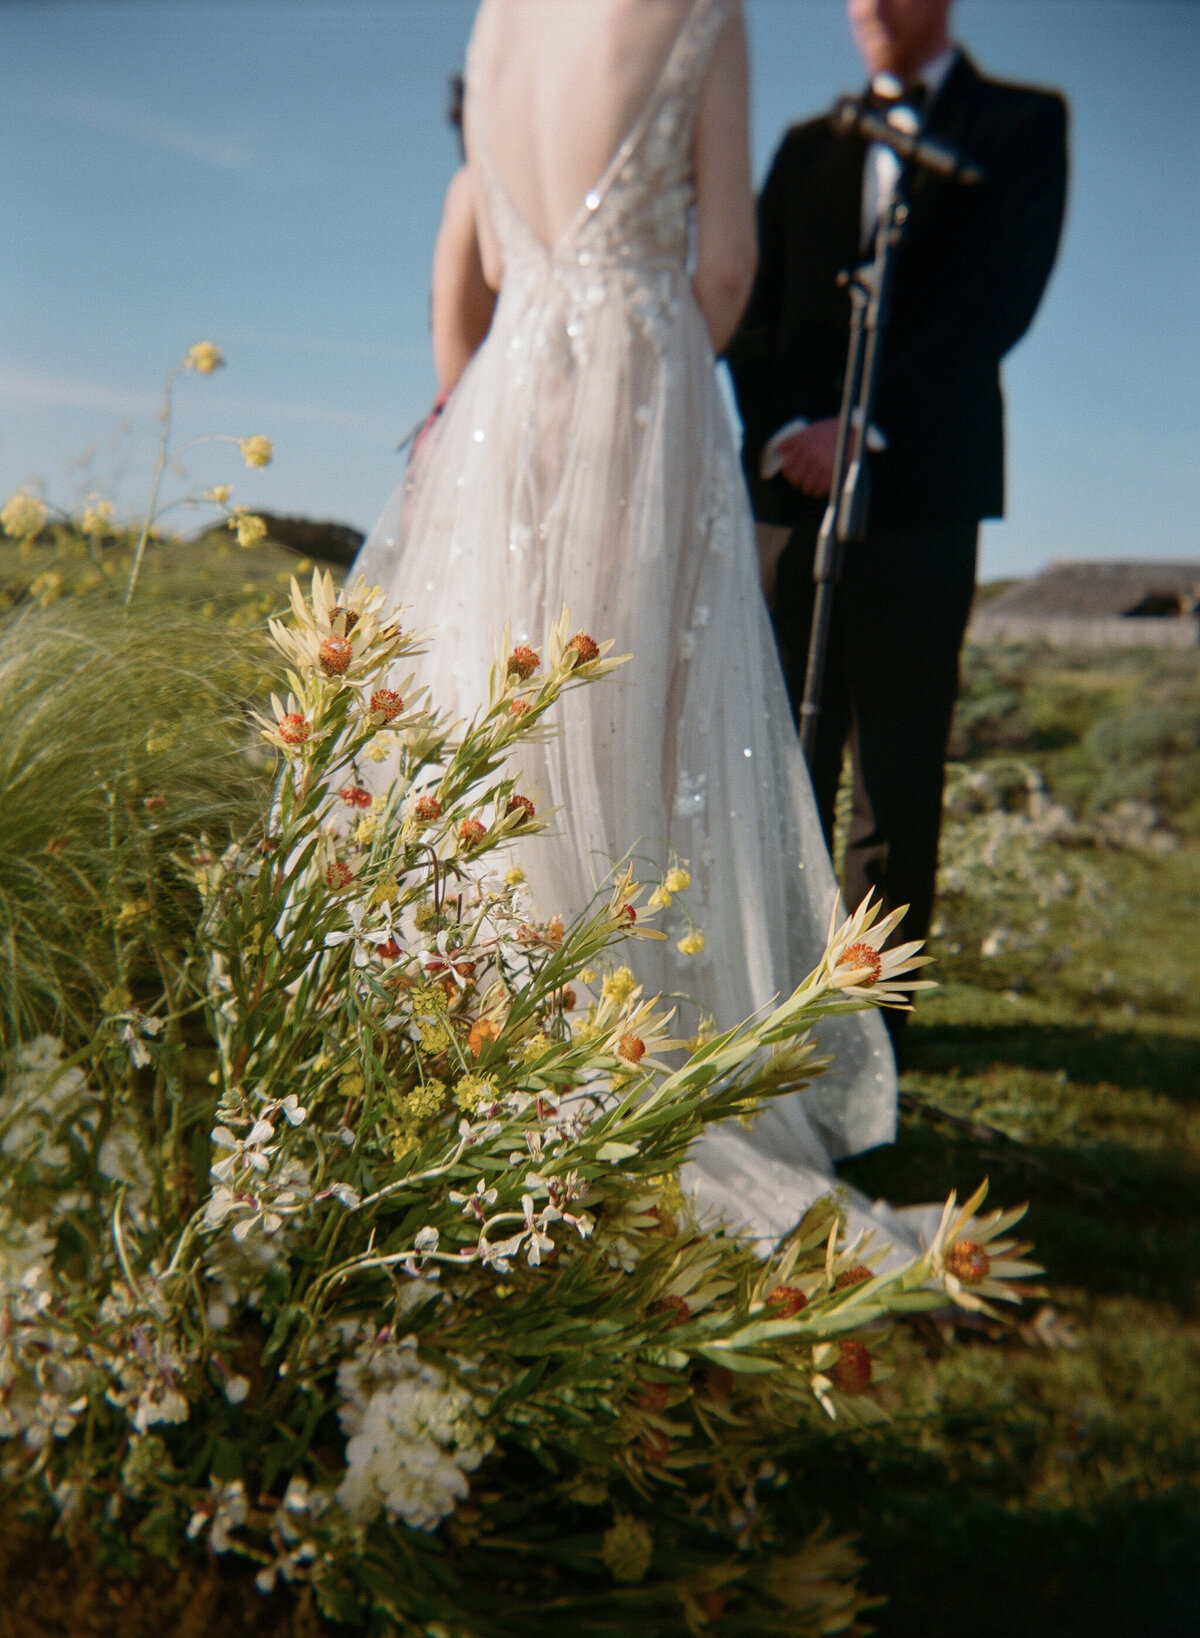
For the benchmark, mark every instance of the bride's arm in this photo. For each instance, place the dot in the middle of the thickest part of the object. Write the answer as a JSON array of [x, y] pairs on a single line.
[[463, 301], [726, 240]]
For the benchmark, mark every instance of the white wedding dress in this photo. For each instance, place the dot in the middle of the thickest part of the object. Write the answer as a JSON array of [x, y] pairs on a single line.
[[586, 459]]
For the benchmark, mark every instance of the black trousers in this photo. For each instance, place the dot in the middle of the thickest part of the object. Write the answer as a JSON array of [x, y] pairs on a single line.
[[891, 681]]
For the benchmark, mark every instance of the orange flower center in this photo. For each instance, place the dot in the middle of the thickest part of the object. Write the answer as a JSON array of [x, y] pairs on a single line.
[[294, 729], [863, 958], [386, 703], [852, 1373], [335, 654], [631, 1048], [969, 1262], [585, 647], [787, 1300], [851, 1277], [522, 662]]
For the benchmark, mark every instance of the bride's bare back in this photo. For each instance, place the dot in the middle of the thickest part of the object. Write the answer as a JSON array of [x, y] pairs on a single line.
[[561, 82], [556, 85]]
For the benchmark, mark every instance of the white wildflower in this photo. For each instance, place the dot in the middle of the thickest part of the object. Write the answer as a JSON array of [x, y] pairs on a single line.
[[413, 1436]]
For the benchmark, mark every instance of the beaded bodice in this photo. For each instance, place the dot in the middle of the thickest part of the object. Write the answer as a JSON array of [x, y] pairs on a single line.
[[630, 237]]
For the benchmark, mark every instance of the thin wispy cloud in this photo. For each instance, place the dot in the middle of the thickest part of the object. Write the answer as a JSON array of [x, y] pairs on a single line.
[[325, 346], [254, 153], [59, 392]]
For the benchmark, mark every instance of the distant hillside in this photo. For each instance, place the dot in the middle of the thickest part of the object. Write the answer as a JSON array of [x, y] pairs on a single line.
[[332, 543]]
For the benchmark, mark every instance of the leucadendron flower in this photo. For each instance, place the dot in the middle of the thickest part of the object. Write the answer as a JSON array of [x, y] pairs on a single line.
[[857, 962], [345, 636], [973, 1260]]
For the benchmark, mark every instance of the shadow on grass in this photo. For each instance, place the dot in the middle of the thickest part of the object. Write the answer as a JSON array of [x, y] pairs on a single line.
[[1109, 1219], [955, 1556], [1153, 1061], [955, 1564]]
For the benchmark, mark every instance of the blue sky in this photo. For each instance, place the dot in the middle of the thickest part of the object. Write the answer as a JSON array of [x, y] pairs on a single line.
[[268, 174]]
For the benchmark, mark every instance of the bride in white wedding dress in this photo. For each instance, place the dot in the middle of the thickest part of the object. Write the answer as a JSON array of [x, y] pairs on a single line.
[[585, 459]]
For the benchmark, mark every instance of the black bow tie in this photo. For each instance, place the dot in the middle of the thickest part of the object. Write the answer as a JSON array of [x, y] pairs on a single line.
[[914, 96]]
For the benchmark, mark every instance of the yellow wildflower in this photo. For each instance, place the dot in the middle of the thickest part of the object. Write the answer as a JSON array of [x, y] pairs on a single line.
[[250, 529], [627, 1549], [97, 517], [678, 880], [366, 831], [588, 975], [385, 891], [378, 751], [204, 358], [691, 944], [472, 1092], [24, 516], [218, 494], [424, 1102], [256, 450], [435, 1037], [535, 1046], [514, 876], [659, 899], [619, 986], [47, 587]]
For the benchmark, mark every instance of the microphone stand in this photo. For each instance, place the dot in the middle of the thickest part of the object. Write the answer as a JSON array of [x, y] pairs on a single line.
[[870, 288], [845, 519]]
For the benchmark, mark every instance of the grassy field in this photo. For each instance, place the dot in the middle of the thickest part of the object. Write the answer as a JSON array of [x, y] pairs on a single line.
[[1056, 1492], [1039, 1479]]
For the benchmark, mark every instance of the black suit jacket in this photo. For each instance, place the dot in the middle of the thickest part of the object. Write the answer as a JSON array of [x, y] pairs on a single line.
[[968, 281]]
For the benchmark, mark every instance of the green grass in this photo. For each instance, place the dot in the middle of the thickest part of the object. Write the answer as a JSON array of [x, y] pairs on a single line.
[[1053, 1490]]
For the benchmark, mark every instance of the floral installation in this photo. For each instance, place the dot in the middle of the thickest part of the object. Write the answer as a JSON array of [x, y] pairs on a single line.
[[407, 1307]]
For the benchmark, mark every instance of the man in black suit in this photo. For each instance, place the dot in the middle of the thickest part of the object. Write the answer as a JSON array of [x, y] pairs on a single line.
[[968, 280]]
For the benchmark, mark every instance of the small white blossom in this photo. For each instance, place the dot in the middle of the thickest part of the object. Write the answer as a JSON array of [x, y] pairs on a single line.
[[413, 1436]]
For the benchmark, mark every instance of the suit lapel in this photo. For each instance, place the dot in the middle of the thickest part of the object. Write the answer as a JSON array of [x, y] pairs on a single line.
[[838, 177]]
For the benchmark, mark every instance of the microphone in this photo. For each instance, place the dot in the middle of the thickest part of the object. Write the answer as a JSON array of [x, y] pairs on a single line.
[[900, 130]]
